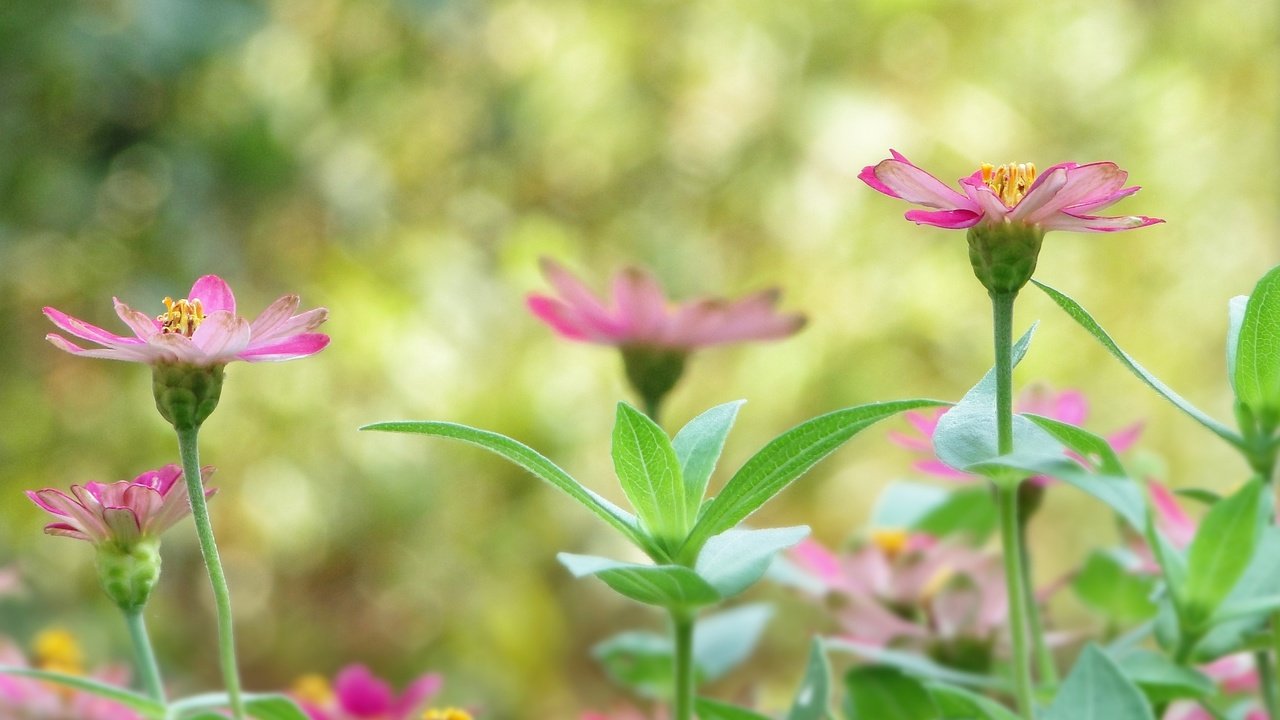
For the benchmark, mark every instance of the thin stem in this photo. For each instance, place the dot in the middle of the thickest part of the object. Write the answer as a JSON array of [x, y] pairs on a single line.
[[217, 579], [652, 405], [1266, 673], [1007, 497], [1048, 669], [148, 668], [682, 626]]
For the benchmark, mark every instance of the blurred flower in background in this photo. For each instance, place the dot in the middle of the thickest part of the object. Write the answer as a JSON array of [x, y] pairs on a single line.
[[358, 694], [56, 650]]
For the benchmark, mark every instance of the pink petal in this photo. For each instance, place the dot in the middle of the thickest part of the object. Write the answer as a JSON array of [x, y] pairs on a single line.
[[812, 556], [950, 219], [992, 207], [128, 353], [562, 318], [1042, 198], [1080, 185], [222, 335], [577, 295], [142, 325], [937, 468], [123, 524], [362, 694], [418, 692], [66, 530], [276, 314], [641, 305], [1088, 223], [289, 348], [1095, 204], [898, 177], [174, 347], [910, 442], [214, 294], [1169, 515], [84, 330], [1124, 439]]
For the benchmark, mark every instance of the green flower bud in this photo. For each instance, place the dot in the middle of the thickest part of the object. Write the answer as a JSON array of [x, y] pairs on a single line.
[[653, 371], [1004, 255], [186, 395], [128, 574]]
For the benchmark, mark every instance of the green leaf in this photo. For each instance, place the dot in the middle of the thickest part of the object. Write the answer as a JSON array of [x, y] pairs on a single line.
[[1257, 369], [1110, 483], [959, 704], [917, 665], [726, 639], [144, 705], [708, 709], [669, 586], [1249, 603], [649, 471], [1096, 689], [529, 459], [1221, 550], [1162, 679], [903, 504], [1235, 318], [262, 706], [1087, 322], [784, 459], [878, 692], [1108, 584], [968, 512], [698, 446], [641, 661], [735, 559], [813, 697]]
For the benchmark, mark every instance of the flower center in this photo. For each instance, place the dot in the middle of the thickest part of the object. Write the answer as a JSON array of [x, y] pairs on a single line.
[[891, 542], [181, 317], [446, 714], [1009, 182], [56, 650], [312, 689]]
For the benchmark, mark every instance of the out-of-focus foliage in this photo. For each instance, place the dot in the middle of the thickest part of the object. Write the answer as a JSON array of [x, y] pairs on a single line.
[[405, 162]]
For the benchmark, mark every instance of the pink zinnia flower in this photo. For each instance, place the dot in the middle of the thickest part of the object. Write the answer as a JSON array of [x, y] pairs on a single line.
[[33, 699], [122, 513], [1235, 674], [639, 314], [624, 714], [357, 694], [906, 589], [1060, 198], [201, 330], [1068, 406]]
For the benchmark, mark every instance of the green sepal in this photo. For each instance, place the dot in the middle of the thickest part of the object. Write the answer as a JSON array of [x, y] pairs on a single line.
[[653, 372], [1004, 255], [186, 395], [129, 574]]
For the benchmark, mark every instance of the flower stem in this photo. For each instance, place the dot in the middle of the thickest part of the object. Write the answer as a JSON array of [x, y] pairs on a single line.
[[1048, 670], [682, 622], [187, 447], [1267, 679], [148, 668], [1007, 497]]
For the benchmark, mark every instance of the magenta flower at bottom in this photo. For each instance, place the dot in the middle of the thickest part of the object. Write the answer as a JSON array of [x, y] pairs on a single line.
[[30, 699], [358, 694]]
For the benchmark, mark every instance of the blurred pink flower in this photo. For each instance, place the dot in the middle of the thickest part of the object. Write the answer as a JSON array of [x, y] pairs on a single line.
[[1068, 406], [1235, 674], [202, 330], [625, 713], [910, 590], [123, 512], [29, 699], [1060, 198], [640, 314], [357, 694], [1170, 518]]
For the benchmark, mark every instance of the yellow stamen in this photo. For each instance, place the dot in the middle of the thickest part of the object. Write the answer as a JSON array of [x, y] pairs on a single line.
[[891, 542], [1009, 182], [181, 317], [313, 689], [940, 579], [56, 650], [452, 713]]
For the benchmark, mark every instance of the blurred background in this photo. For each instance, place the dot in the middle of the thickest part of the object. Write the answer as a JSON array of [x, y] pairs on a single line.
[[406, 162]]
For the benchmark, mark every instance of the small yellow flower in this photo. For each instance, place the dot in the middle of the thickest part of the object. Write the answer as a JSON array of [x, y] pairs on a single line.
[[57, 650], [446, 714], [313, 689]]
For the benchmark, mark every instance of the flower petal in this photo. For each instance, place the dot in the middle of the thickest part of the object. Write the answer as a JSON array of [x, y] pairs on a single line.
[[362, 694], [84, 330], [292, 325], [288, 348], [576, 295], [222, 336], [123, 524], [641, 305], [1080, 185], [214, 294], [417, 693], [1042, 198], [950, 219], [562, 318], [898, 177], [1089, 223], [142, 325], [275, 314]]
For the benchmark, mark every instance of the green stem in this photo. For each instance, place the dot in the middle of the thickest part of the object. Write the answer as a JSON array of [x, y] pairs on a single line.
[[148, 668], [187, 447], [682, 626], [1007, 496], [1048, 669], [1266, 674], [652, 405]]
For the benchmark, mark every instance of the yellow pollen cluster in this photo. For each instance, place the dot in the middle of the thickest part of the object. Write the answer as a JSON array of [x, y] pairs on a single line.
[[891, 542], [181, 317], [446, 714], [56, 650], [312, 689], [1009, 182]]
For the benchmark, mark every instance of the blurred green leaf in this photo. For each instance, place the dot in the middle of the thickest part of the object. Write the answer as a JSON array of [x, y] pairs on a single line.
[[902, 504], [1221, 550], [1096, 689], [708, 709], [724, 640], [1161, 679], [1109, 586], [1257, 358], [735, 559], [784, 459], [959, 704], [878, 692], [968, 512], [1086, 321], [1249, 603], [813, 697], [1235, 319], [261, 706], [914, 664], [649, 472], [698, 446], [144, 705], [669, 586]]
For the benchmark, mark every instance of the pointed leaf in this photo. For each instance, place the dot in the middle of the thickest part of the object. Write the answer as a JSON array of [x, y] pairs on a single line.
[[640, 661], [698, 446], [735, 559], [1109, 585], [1235, 319], [650, 475], [784, 459], [1222, 549], [878, 692], [1096, 689], [709, 709], [529, 459], [1257, 371], [144, 705], [955, 703], [669, 586], [813, 697], [967, 512], [902, 504], [1087, 322], [1162, 679], [917, 665], [261, 706]]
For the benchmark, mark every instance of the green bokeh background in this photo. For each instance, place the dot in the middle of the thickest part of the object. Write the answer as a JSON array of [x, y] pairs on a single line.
[[405, 163]]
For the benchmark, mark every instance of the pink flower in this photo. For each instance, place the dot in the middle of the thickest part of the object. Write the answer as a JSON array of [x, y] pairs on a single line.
[[1068, 406], [1235, 674], [124, 512], [31, 699], [202, 330], [357, 694], [1060, 198], [639, 314], [626, 713], [906, 589]]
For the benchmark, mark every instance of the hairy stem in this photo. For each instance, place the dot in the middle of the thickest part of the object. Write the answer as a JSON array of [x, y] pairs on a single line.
[[148, 668], [682, 623]]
